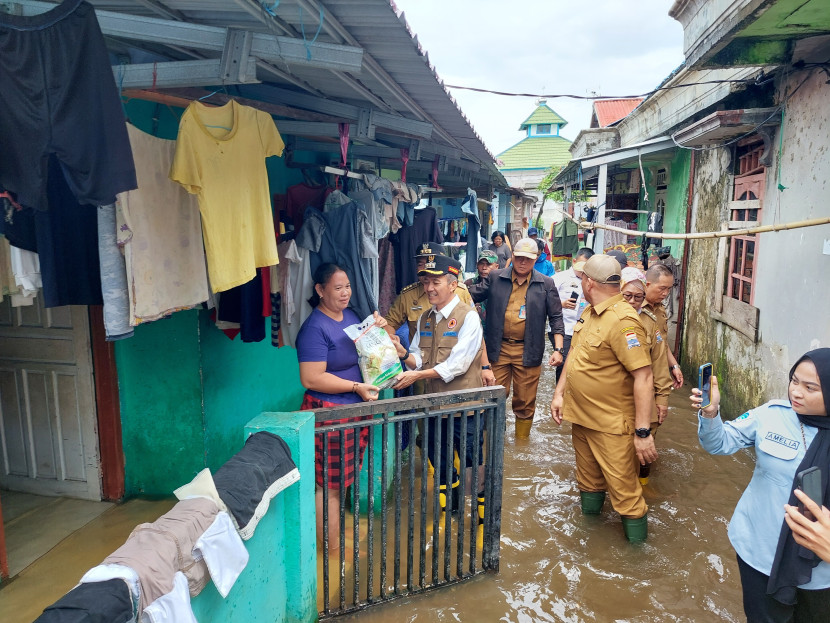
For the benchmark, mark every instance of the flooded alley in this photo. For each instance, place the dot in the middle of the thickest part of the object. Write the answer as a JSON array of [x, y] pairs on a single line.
[[557, 565]]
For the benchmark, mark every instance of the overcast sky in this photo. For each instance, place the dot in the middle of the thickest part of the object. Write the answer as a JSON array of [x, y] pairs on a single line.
[[611, 47]]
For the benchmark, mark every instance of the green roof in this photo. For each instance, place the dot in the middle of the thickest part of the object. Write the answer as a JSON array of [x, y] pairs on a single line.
[[536, 152], [543, 114]]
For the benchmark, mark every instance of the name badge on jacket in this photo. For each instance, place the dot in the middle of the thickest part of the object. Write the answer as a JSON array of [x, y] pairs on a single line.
[[523, 312], [779, 446]]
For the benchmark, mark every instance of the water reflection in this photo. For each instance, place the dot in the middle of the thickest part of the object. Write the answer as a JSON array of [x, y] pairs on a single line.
[[557, 565]]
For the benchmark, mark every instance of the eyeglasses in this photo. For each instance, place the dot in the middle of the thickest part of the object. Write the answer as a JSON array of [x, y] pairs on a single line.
[[634, 297]]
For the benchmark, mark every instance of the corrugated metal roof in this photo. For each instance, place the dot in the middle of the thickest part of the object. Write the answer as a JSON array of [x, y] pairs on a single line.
[[543, 114], [397, 77], [607, 112], [536, 152]]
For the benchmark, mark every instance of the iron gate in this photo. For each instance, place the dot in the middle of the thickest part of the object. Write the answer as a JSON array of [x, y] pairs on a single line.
[[403, 496]]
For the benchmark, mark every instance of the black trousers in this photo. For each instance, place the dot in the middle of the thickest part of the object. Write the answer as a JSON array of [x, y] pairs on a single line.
[[811, 606]]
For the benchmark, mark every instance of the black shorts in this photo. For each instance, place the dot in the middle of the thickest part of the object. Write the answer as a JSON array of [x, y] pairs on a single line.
[[58, 95]]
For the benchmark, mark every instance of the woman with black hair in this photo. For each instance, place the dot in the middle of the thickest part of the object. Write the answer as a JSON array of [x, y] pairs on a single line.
[[781, 580], [501, 248], [330, 373]]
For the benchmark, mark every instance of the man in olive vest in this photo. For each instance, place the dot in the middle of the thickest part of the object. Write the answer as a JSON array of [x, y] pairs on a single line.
[[446, 352]]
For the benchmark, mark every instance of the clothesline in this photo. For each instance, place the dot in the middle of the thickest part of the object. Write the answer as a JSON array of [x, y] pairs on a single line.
[[703, 235]]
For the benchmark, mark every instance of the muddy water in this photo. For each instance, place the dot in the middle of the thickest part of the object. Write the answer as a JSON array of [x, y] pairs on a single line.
[[557, 565]]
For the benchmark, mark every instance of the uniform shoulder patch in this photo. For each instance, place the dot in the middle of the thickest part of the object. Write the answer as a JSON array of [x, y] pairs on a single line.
[[410, 287], [630, 329], [631, 340]]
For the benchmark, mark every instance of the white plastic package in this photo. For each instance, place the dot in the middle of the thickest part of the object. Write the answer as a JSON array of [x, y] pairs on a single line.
[[377, 356]]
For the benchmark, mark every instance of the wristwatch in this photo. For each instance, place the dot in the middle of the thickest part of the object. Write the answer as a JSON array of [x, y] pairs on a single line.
[[485, 367], [674, 366], [643, 432], [559, 350]]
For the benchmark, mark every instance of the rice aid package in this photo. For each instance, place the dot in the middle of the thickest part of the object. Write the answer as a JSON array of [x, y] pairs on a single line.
[[377, 356]]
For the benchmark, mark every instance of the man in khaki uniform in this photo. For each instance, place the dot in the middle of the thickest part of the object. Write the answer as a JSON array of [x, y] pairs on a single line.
[[606, 391], [413, 300], [634, 292], [521, 301], [446, 353], [659, 282]]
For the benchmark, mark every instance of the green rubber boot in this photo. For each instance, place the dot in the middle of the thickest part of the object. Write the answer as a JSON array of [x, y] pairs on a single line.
[[636, 530], [592, 502]]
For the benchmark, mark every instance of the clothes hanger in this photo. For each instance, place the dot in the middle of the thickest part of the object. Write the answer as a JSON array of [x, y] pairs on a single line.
[[222, 88]]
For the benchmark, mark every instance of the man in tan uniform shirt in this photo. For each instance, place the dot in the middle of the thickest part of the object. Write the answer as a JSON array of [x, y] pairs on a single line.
[[606, 391], [659, 281], [634, 292]]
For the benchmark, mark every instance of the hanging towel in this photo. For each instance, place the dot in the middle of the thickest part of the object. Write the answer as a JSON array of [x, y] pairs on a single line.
[[160, 230], [223, 552], [113, 277], [254, 475], [172, 607], [96, 602]]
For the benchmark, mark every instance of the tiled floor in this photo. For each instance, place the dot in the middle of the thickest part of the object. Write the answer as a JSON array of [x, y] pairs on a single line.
[[94, 536]]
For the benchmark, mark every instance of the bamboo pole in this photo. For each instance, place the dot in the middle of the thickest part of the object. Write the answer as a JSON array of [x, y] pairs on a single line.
[[708, 234]]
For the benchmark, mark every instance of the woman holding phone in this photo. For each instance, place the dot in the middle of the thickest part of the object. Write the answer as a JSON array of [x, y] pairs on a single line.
[[781, 580]]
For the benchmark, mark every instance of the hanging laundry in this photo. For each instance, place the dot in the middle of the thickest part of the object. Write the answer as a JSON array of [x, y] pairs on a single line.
[[223, 551], [342, 236], [102, 573], [158, 550], [65, 238], [172, 607], [301, 196], [252, 477], [26, 270], [220, 156], [8, 284], [424, 229], [160, 230], [61, 52], [113, 277], [386, 269], [243, 305], [296, 289], [96, 602]]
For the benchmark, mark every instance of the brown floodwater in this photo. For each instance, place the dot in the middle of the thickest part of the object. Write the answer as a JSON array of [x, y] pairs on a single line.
[[557, 565]]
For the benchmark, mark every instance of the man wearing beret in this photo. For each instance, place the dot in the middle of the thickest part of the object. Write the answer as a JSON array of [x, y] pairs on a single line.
[[446, 353], [520, 302], [606, 391]]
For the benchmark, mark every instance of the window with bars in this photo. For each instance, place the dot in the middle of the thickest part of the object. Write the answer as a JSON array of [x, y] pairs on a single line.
[[745, 212]]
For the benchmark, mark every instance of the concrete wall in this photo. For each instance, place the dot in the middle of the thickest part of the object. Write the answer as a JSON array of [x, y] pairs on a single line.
[[791, 281]]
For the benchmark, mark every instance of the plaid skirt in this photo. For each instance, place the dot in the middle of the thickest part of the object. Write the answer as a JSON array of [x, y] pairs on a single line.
[[354, 441]]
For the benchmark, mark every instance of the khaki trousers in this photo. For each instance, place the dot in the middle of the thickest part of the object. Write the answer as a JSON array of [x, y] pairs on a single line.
[[525, 380], [607, 462]]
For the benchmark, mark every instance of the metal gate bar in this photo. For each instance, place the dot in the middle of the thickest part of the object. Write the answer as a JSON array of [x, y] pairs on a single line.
[[478, 412]]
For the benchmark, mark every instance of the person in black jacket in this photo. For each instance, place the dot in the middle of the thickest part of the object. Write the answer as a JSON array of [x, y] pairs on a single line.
[[520, 301]]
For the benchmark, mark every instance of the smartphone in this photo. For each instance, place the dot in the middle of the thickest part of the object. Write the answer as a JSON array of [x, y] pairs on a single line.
[[574, 295], [704, 384], [809, 481]]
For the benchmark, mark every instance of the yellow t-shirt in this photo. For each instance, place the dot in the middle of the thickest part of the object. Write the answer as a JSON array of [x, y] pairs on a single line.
[[220, 156]]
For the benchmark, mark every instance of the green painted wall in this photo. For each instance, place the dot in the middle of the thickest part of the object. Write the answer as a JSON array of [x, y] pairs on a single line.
[[161, 404], [677, 198], [241, 380]]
